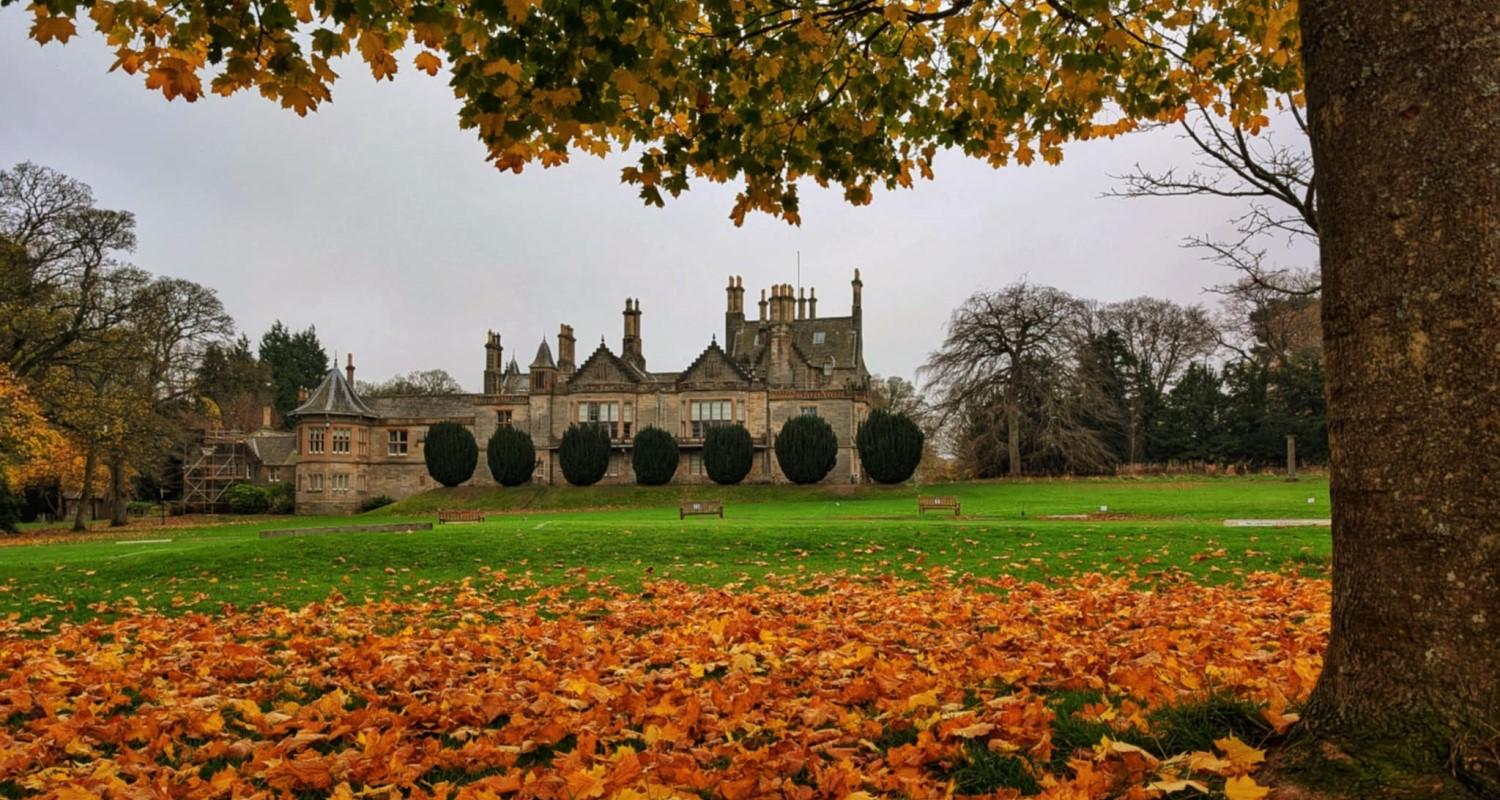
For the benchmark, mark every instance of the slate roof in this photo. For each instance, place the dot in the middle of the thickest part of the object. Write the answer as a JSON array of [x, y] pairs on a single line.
[[272, 448], [543, 357], [514, 381], [334, 397], [840, 342], [423, 406]]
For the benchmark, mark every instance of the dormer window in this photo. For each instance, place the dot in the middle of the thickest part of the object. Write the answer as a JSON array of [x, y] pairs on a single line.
[[819, 337]]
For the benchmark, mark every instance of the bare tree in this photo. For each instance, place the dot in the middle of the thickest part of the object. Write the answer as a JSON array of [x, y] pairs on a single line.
[[994, 340], [1272, 170], [59, 256], [419, 382], [1160, 339]]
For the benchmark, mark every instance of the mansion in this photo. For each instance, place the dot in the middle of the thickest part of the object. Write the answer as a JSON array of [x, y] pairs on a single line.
[[785, 361]]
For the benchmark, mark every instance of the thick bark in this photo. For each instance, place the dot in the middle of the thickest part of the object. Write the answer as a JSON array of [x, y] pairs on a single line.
[[1404, 100], [118, 507], [86, 491]]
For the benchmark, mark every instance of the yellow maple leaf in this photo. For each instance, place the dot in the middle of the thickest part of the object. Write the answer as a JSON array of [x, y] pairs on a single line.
[[1239, 753], [1244, 787]]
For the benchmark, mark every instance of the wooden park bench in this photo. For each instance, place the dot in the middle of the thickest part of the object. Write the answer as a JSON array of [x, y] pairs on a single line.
[[700, 508], [937, 503], [459, 515]]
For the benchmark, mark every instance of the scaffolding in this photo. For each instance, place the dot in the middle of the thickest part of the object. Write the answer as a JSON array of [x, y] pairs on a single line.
[[216, 461]]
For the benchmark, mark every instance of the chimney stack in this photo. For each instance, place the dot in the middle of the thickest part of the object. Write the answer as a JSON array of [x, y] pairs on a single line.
[[812, 303], [493, 369], [349, 369], [265, 417], [631, 346], [301, 395], [762, 305], [801, 303], [566, 349]]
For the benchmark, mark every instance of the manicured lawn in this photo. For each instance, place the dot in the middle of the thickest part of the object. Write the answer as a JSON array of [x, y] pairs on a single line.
[[1151, 525]]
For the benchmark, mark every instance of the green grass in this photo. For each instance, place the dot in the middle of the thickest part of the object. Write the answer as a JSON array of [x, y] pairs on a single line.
[[544, 534]]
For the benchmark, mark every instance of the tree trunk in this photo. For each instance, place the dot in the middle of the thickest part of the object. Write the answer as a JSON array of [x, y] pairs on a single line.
[[1404, 101], [118, 514], [1013, 437], [86, 491]]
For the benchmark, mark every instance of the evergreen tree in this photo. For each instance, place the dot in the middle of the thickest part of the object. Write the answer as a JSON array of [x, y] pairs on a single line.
[[296, 360], [584, 453], [654, 456], [1192, 419], [807, 449], [511, 456], [451, 453], [1105, 363], [728, 453], [890, 446]]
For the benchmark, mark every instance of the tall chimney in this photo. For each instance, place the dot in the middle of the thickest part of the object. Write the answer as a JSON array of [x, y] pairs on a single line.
[[801, 303], [631, 346], [762, 305], [566, 349], [349, 369], [493, 354], [812, 303], [301, 394], [734, 315], [265, 417]]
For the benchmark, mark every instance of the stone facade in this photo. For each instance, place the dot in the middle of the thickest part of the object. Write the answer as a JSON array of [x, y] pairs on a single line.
[[784, 362]]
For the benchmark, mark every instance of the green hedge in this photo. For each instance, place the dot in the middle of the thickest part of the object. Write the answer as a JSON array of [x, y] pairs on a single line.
[[890, 446], [727, 453], [806, 449], [584, 453], [378, 501], [511, 456], [247, 498], [451, 453], [654, 456]]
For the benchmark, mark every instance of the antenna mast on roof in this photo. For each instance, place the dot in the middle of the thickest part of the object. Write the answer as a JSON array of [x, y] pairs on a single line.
[[799, 271]]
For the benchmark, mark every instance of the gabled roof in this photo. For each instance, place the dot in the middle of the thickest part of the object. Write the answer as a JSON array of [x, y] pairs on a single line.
[[603, 355], [334, 397], [714, 351], [272, 448], [543, 358]]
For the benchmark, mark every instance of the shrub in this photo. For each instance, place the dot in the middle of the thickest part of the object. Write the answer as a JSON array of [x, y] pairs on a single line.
[[511, 456], [727, 453], [890, 446], [451, 453], [247, 498], [654, 456], [139, 508], [806, 449], [283, 497], [11, 506], [378, 501], [584, 453]]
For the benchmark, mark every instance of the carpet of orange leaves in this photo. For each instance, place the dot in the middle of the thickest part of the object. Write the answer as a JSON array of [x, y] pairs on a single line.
[[777, 690]]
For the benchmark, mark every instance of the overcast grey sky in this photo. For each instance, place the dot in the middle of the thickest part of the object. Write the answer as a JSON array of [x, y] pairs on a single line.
[[379, 221]]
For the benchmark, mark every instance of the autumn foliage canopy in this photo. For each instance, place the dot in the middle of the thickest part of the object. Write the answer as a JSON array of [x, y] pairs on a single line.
[[849, 93]]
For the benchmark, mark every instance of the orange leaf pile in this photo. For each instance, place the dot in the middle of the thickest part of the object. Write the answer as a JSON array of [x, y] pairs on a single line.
[[808, 688]]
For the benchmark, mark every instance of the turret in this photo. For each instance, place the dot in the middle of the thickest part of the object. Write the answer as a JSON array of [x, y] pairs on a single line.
[[543, 369]]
